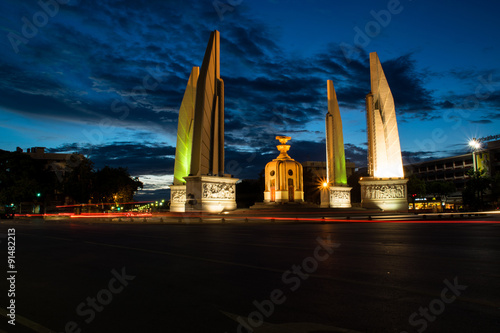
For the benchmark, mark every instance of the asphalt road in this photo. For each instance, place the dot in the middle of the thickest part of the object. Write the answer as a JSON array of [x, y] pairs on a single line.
[[273, 277]]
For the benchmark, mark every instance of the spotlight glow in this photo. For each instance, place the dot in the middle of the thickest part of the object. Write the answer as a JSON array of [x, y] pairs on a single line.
[[474, 144]]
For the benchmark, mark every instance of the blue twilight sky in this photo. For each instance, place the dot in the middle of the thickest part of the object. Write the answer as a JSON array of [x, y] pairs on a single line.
[[106, 78]]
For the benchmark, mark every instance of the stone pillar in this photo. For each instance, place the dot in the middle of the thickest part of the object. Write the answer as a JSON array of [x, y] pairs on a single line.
[[386, 194], [324, 197], [340, 197], [210, 193], [177, 198]]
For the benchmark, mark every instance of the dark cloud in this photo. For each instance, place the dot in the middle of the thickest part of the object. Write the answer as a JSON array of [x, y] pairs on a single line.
[[416, 157], [158, 159], [130, 63], [152, 195], [483, 101], [358, 155], [127, 63], [408, 88], [492, 100], [483, 93], [475, 76], [140, 159], [482, 121], [494, 115], [445, 105]]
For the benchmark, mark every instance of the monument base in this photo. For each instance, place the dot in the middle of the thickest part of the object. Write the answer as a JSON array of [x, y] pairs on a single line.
[[177, 198], [388, 194], [210, 193], [340, 197], [284, 206], [283, 197], [324, 197]]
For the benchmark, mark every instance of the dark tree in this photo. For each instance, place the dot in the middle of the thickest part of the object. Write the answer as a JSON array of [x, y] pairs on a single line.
[[312, 187], [416, 187], [353, 181], [248, 192], [115, 185], [441, 188], [495, 190], [24, 179], [78, 181], [475, 188]]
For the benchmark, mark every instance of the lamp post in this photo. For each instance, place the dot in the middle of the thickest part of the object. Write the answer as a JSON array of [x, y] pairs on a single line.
[[475, 146], [324, 192]]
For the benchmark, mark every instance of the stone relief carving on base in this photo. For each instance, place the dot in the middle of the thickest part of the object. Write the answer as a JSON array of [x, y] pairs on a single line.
[[340, 195], [179, 196], [384, 192], [218, 191]]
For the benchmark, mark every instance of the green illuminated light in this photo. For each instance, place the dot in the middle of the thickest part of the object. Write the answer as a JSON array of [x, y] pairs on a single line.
[[184, 147]]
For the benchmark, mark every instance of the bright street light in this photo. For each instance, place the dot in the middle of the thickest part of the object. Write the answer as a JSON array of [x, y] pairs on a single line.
[[474, 144]]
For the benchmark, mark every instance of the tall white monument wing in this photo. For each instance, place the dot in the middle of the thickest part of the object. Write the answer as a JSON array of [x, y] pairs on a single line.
[[208, 135], [335, 154], [384, 149], [184, 146]]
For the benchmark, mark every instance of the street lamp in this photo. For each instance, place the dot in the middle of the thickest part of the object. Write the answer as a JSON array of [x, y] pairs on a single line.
[[475, 146]]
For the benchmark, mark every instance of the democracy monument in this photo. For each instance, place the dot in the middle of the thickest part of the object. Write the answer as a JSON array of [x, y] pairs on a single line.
[[200, 183], [284, 177], [199, 180], [339, 194], [385, 188]]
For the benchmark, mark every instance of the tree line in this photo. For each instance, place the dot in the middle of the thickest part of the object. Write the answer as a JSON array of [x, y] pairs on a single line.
[[480, 190], [25, 179]]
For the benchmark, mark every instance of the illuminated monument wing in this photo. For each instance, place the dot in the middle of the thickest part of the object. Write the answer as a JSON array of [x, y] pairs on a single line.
[[386, 186], [208, 139], [184, 145], [383, 139], [185, 130], [199, 179], [339, 192]]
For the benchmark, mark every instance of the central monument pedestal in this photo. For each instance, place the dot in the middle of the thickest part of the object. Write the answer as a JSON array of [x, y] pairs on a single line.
[[210, 193], [388, 194], [324, 197], [340, 197], [177, 198], [284, 179]]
